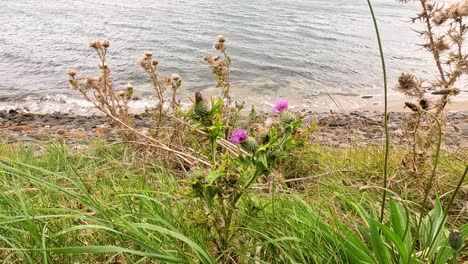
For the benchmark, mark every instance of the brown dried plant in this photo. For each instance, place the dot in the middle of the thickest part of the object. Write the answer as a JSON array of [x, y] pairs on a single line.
[[115, 104], [161, 86], [101, 93], [443, 34], [220, 67]]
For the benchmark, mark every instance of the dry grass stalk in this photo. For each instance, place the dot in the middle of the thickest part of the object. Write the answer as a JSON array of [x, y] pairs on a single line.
[[444, 33]]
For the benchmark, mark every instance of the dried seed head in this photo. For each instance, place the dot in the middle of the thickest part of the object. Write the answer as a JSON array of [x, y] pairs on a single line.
[[94, 44], [221, 39], [413, 106], [122, 93], [424, 103], [447, 91], [167, 79], [439, 17], [71, 72], [91, 83], [462, 8], [129, 89], [408, 85], [440, 45], [105, 44], [429, 6], [175, 77], [155, 63], [148, 54], [103, 66]]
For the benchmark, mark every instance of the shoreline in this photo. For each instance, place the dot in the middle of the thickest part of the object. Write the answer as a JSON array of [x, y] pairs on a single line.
[[356, 128], [67, 104]]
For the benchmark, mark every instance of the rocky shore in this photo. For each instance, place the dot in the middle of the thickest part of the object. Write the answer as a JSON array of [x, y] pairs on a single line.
[[337, 130]]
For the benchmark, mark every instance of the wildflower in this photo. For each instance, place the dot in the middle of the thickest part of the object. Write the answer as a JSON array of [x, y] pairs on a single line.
[[238, 136], [280, 106]]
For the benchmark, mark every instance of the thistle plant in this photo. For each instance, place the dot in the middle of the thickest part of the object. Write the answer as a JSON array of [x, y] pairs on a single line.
[[221, 188], [220, 67], [100, 90], [161, 85], [444, 34]]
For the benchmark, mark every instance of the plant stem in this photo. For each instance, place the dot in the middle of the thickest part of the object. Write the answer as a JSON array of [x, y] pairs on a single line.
[[431, 179], [387, 140]]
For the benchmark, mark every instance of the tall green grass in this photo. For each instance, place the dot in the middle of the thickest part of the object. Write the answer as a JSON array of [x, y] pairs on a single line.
[[103, 204]]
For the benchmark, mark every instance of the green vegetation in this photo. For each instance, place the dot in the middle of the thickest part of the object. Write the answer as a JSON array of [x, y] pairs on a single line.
[[105, 204], [204, 187]]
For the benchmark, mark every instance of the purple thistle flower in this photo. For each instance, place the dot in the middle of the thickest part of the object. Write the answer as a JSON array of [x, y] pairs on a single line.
[[238, 136], [280, 106]]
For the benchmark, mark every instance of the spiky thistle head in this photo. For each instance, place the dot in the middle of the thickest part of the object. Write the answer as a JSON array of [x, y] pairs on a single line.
[[408, 85], [287, 117], [250, 145]]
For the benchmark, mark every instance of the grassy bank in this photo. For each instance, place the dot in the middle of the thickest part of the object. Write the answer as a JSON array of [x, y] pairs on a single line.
[[106, 204]]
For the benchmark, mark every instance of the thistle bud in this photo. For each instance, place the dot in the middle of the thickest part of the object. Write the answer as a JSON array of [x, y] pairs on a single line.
[[198, 96], [200, 108], [286, 117], [250, 145], [455, 240]]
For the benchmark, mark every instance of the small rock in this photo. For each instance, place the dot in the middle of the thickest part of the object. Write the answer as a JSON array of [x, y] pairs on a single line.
[[462, 128]]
